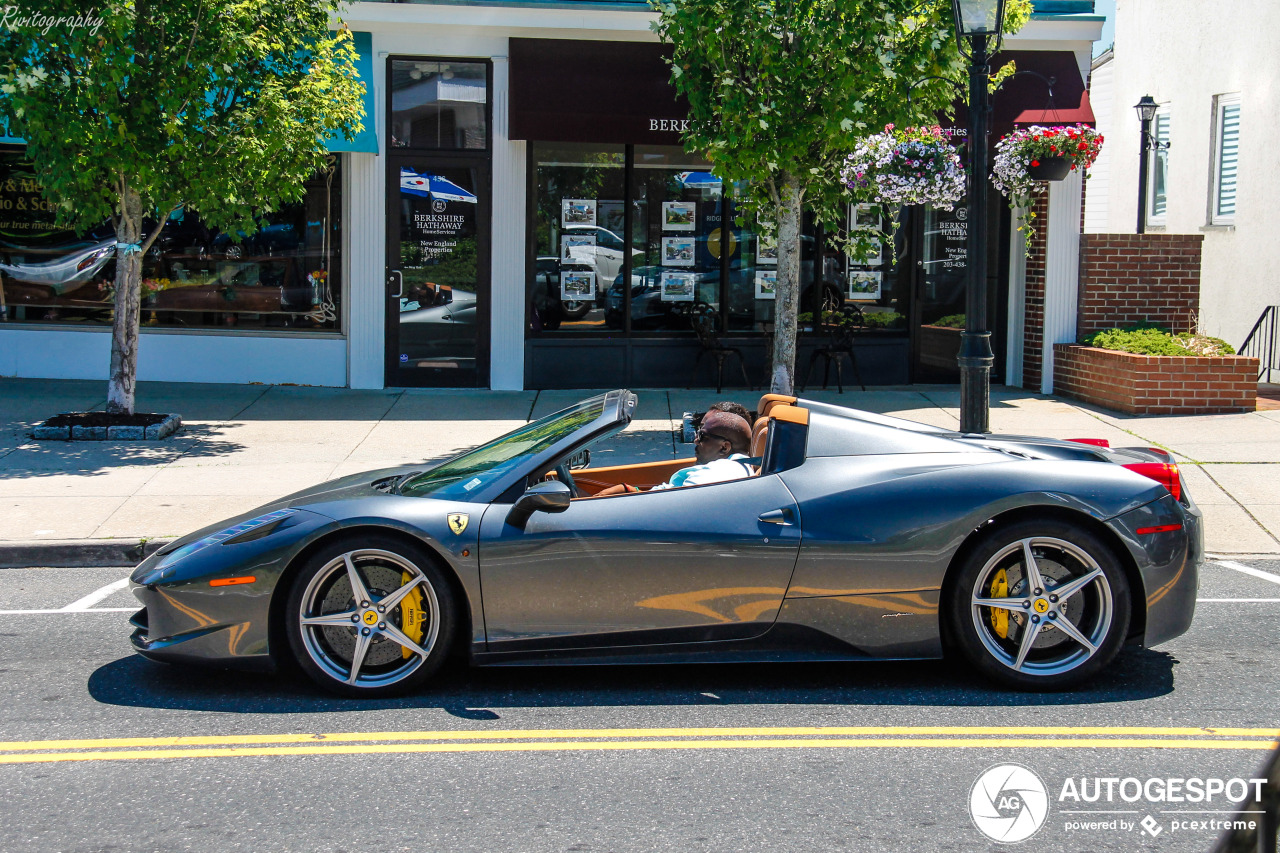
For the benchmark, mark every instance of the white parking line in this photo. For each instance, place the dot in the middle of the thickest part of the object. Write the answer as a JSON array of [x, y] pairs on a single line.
[[1238, 600], [66, 612], [1249, 570], [97, 595]]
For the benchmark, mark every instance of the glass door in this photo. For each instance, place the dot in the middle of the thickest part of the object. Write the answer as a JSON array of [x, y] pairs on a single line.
[[437, 271], [940, 292]]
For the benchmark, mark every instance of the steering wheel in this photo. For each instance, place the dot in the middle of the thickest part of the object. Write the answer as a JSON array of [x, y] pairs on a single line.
[[563, 475]]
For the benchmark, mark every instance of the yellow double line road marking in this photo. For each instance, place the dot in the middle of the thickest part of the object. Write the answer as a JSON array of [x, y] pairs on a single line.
[[542, 740]]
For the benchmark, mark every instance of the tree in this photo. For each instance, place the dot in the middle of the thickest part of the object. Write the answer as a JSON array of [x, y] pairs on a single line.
[[780, 91], [141, 108]]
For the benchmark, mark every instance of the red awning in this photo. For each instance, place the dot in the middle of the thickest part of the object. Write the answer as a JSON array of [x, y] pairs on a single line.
[[1026, 99], [1082, 114]]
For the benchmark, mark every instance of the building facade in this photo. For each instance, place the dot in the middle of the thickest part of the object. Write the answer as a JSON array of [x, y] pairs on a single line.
[[1215, 83], [520, 213]]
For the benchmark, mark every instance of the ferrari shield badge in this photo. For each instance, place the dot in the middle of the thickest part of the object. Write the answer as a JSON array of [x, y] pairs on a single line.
[[458, 522]]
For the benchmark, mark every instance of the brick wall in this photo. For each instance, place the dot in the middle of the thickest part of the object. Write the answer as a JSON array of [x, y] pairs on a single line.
[[1155, 385], [1131, 278], [1033, 316]]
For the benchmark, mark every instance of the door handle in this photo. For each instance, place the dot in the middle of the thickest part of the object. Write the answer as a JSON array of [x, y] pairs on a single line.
[[777, 516], [399, 280]]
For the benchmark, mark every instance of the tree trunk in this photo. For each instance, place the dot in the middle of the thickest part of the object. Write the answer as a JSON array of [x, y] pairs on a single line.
[[124, 328], [787, 305]]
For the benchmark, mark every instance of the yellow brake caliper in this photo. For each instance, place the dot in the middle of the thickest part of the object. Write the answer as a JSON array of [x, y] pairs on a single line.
[[999, 618], [411, 614]]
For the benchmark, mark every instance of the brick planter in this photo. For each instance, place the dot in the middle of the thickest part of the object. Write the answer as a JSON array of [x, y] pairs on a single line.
[[1155, 384]]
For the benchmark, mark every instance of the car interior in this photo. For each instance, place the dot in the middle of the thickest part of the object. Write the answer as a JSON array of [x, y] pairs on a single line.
[[777, 440]]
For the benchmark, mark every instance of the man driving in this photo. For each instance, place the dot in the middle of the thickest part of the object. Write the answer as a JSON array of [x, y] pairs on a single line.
[[720, 448]]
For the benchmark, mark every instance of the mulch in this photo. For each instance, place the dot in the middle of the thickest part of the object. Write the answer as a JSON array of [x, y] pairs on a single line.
[[104, 419]]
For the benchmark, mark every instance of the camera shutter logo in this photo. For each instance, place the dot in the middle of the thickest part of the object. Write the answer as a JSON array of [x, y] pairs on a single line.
[[1008, 803]]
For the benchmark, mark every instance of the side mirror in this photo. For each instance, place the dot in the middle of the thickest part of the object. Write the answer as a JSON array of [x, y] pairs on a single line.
[[552, 496]]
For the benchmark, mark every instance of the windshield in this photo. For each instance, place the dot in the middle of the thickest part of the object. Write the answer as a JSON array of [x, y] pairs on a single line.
[[462, 475]]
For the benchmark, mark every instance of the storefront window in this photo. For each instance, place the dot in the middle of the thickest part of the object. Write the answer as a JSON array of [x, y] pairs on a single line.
[[442, 105], [688, 253], [876, 284], [283, 277], [676, 235], [579, 219]]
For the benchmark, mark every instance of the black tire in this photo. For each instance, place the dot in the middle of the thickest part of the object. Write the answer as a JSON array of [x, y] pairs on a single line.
[[576, 309], [425, 615], [1097, 606]]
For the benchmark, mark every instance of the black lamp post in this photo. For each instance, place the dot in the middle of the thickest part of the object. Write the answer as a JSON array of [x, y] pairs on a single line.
[[1147, 109], [978, 27]]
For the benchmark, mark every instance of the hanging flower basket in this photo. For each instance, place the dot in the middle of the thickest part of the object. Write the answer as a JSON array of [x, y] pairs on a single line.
[[1024, 157], [1050, 169], [1031, 156], [912, 166]]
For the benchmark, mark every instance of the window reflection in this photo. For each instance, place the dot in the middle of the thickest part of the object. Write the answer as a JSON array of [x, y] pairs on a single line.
[[439, 104], [678, 235], [578, 222], [284, 276]]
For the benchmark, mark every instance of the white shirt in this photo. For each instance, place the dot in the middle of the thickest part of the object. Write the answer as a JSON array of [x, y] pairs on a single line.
[[733, 467]]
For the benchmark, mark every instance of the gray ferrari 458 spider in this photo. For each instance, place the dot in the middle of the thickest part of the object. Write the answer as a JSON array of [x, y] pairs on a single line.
[[858, 536]]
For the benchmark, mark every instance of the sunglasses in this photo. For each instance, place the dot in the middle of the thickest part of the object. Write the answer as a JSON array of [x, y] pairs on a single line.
[[703, 434]]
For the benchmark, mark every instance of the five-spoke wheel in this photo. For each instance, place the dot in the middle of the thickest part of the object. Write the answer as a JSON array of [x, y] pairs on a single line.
[[1040, 605], [370, 618]]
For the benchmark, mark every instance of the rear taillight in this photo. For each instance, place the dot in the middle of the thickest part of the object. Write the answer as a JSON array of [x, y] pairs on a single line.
[[1164, 473], [1096, 442]]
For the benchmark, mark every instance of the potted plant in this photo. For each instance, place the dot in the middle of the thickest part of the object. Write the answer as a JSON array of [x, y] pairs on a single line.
[[916, 165], [1147, 370], [1031, 156], [939, 341]]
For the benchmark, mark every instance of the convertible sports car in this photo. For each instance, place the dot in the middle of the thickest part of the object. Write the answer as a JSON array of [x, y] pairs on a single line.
[[858, 536]]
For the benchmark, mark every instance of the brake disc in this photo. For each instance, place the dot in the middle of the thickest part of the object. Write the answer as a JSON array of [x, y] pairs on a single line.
[[1049, 636], [380, 580]]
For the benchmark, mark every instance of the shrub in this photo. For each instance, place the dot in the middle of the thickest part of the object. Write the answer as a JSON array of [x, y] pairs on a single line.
[[951, 321], [1152, 340], [883, 319]]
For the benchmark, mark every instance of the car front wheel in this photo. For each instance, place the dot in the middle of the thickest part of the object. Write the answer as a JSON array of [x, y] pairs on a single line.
[[1040, 605], [371, 617]]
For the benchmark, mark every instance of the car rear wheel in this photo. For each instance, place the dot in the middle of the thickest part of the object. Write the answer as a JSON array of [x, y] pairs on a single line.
[[1040, 605], [371, 617]]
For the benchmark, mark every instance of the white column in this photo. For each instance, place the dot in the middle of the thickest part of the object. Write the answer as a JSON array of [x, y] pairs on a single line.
[[1062, 271], [364, 224], [507, 285], [1016, 329]]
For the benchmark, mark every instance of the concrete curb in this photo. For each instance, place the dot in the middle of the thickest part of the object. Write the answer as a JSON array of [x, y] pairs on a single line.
[[77, 553]]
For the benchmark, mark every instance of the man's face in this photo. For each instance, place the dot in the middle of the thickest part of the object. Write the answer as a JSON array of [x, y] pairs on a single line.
[[708, 447]]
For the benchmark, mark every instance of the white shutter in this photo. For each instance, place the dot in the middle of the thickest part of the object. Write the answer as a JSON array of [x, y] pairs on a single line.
[[1224, 203], [1159, 177]]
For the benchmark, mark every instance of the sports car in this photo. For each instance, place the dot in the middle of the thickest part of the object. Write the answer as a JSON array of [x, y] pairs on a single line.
[[850, 535]]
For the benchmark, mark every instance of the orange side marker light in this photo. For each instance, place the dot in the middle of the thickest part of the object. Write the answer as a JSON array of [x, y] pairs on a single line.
[[232, 581]]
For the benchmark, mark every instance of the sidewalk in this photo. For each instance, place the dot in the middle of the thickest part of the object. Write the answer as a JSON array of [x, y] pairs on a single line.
[[244, 445]]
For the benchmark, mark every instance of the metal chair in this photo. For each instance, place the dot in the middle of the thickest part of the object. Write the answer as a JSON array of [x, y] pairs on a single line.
[[840, 327], [702, 317]]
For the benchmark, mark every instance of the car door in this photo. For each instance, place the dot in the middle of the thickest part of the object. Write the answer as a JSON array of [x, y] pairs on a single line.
[[700, 563]]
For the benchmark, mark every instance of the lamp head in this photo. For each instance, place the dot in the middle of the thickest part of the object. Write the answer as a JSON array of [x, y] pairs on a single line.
[[978, 17], [1147, 108]]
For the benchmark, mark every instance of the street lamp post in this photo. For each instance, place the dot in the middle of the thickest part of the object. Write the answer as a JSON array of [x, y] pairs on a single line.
[[1147, 109], [977, 21]]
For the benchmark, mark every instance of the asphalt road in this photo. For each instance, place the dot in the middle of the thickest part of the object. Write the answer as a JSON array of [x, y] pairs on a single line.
[[607, 759]]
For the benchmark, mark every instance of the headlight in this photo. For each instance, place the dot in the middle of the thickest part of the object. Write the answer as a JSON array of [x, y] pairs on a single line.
[[245, 531]]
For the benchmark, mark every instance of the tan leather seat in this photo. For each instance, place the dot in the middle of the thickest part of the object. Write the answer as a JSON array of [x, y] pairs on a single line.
[[760, 437], [768, 401]]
